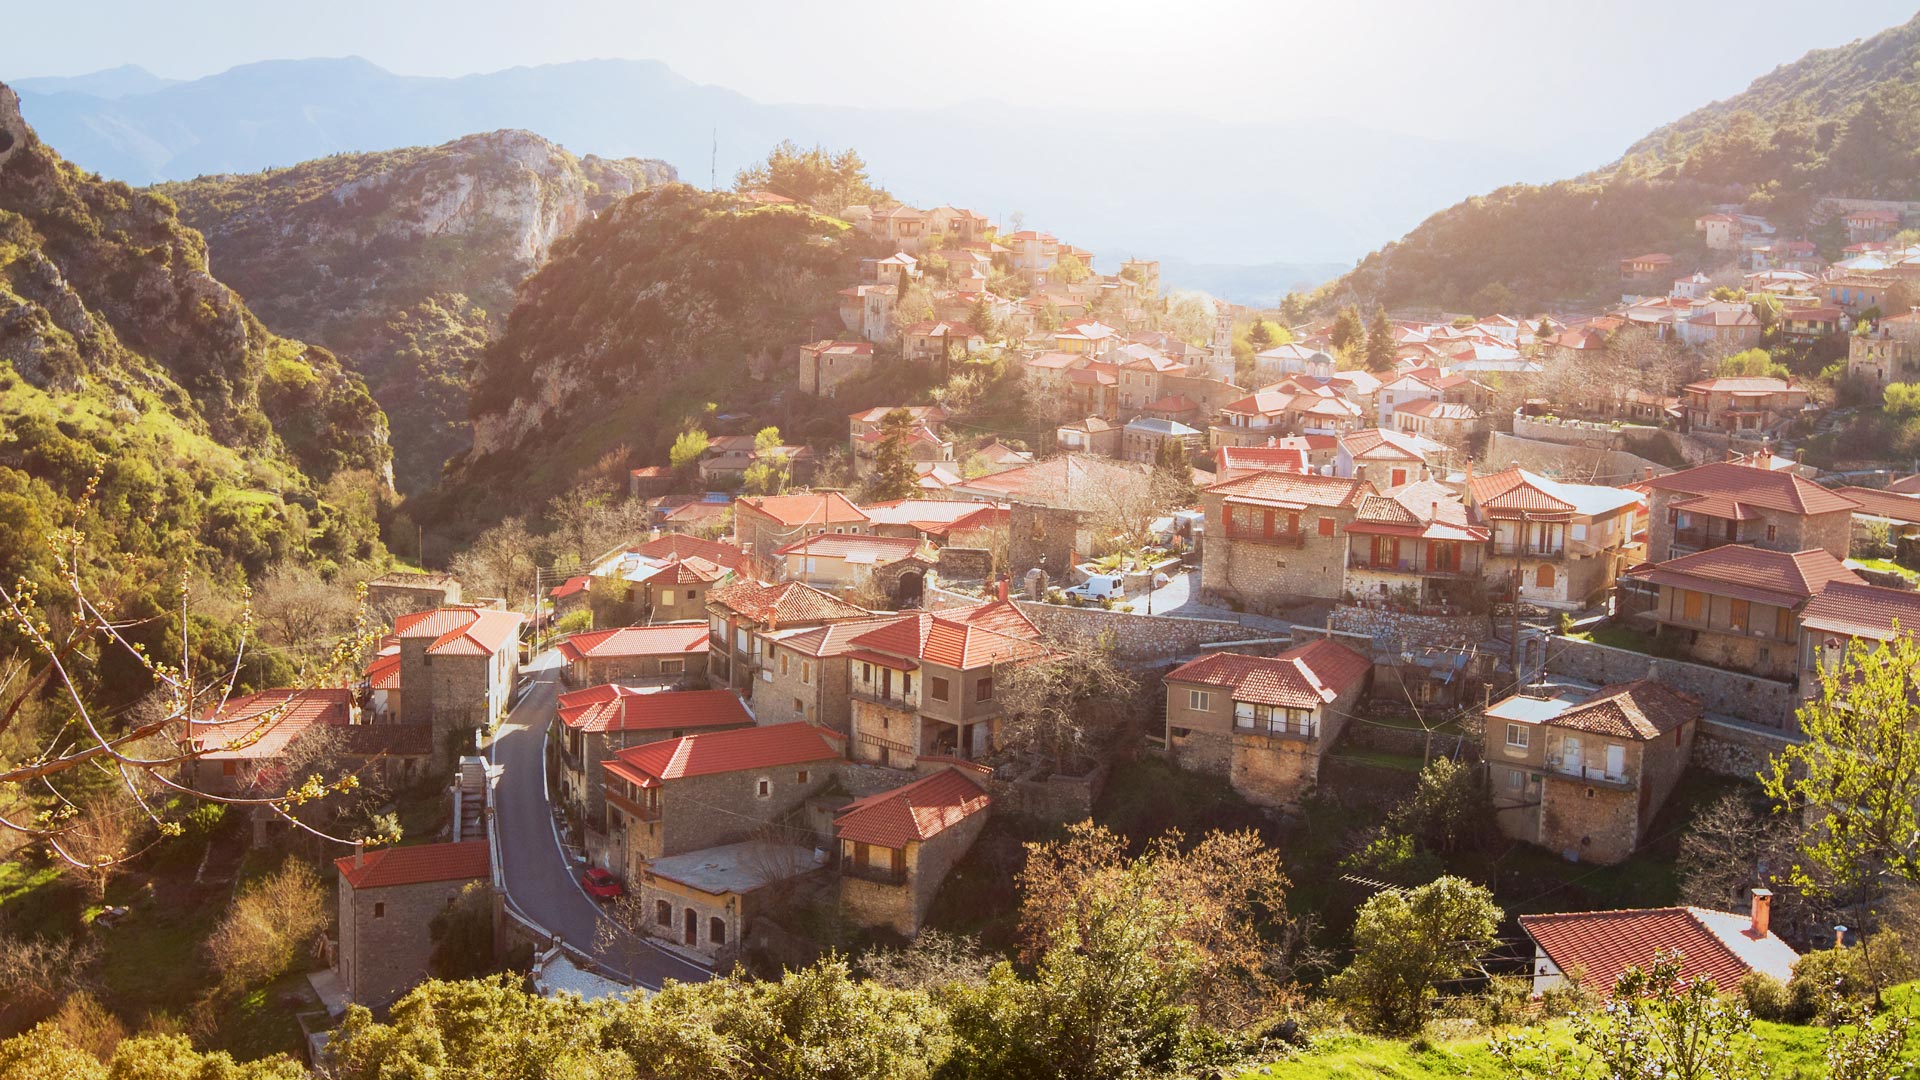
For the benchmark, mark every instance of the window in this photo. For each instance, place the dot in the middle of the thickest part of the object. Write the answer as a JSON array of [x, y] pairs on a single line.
[[866, 672], [1673, 517], [906, 684], [716, 931], [663, 912], [763, 788], [379, 910], [1326, 526], [937, 688], [1773, 532], [672, 667], [1691, 604], [1243, 714], [783, 663], [666, 596], [1199, 700], [229, 768], [983, 690], [1516, 779], [799, 706], [1518, 736], [1740, 613], [800, 777], [1579, 532], [806, 671]]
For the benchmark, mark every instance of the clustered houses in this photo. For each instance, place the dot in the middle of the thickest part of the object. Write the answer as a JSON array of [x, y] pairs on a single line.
[[454, 669]]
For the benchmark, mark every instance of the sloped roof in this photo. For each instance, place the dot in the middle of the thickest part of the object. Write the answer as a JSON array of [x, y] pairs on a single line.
[[918, 512], [1516, 491], [415, 864], [259, 726], [1067, 482], [613, 707], [916, 811], [1383, 445], [1711, 944], [1000, 616], [1423, 509], [854, 548], [1258, 458], [1438, 410], [669, 639], [462, 631], [692, 570], [811, 508], [791, 603], [1292, 490], [1741, 384], [831, 639], [1886, 504], [1778, 578], [938, 640], [1642, 709], [570, 587], [1304, 677], [1863, 611], [722, 752]]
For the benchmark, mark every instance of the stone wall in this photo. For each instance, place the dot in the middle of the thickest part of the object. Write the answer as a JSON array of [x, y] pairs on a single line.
[[1763, 702], [1137, 638], [1361, 735], [1573, 462], [1725, 748], [1060, 800], [965, 564], [1568, 432], [1393, 631]]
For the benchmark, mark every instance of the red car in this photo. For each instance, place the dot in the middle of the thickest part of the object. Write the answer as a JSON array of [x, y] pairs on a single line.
[[601, 885]]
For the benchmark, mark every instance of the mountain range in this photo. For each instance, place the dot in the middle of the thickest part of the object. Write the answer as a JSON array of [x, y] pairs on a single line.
[[1219, 197]]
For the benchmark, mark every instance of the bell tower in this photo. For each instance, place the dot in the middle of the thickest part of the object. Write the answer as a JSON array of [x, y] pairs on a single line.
[[1220, 351]]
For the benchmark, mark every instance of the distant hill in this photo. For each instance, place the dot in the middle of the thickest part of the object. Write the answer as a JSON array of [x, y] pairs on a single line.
[[1837, 122], [405, 261], [1120, 183], [111, 83], [136, 384]]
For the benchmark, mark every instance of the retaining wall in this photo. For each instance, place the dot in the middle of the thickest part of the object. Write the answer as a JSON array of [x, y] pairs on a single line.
[[1727, 748], [1137, 638], [1394, 631], [1762, 702]]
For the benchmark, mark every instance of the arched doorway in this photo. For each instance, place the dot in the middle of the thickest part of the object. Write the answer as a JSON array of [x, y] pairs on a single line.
[[909, 588]]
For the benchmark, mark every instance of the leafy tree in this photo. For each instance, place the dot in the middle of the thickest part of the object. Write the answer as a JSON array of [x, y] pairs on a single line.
[[1069, 270], [821, 179], [1347, 330], [1407, 942], [770, 471], [1657, 1026], [1902, 399], [462, 935], [1858, 771], [1379, 342], [688, 448], [1069, 708], [893, 475], [1260, 335], [1449, 809], [1752, 363], [269, 927]]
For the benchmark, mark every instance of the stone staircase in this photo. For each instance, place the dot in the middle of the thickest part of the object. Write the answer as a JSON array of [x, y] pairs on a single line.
[[470, 800]]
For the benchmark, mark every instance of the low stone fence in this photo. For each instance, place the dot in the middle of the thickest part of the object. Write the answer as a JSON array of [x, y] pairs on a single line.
[[1387, 739], [1137, 638], [1602, 464], [1567, 432], [1060, 800], [1761, 702], [1730, 748], [1393, 631]]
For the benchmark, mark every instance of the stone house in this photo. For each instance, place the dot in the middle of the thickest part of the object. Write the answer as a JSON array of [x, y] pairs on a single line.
[[1092, 435], [1060, 508], [1294, 453], [1844, 616], [598, 722], [665, 579], [921, 443], [923, 685], [1725, 502], [1565, 545], [845, 563], [661, 797], [1595, 948], [1143, 436], [873, 421], [1440, 421], [1415, 384], [571, 595], [1586, 778], [1890, 353], [1738, 607], [663, 653], [1275, 539], [649, 481], [1048, 386], [867, 310], [1264, 723], [1733, 405], [458, 665], [399, 592], [1386, 459], [937, 340], [387, 897], [1641, 266], [1142, 375], [1253, 420], [1414, 548], [804, 674], [705, 902], [896, 847], [765, 524], [827, 365], [737, 613], [262, 743], [951, 226], [1892, 515]]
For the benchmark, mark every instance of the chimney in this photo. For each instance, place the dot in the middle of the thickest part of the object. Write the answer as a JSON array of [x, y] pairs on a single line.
[[1839, 936], [1762, 912], [1000, 589], [359, 854], [1646, 473]]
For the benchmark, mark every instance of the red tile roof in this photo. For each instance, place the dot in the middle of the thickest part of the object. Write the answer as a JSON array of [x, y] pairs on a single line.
[[462, 631], [946, 641], [1291, 490], [415, 864], [824, 508], [1381, 444], [692, 570], [670, 639], [1750, 573], [260, 725], [1304, 677], [1244, 459], [1000, 616], [1642, 710], [921, 414], [791, 603], [682, 546], [1862, 611], [833, 638], [570, 587], [1885, 504], [1603, 944], [723, 752], [1767, 489], [916, 811], [623, 708], [852, 547]]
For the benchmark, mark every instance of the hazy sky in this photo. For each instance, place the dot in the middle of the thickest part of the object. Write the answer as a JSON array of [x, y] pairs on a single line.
[[1536, 73]]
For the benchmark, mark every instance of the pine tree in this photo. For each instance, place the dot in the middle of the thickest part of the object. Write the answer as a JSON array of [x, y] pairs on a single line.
[[1379, 342], [1347, 328], [1260, 335], [893, 476]]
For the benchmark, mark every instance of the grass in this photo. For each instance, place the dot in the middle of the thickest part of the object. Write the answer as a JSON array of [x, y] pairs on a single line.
[[1382, 759], [1617, 636], [1888, 566]]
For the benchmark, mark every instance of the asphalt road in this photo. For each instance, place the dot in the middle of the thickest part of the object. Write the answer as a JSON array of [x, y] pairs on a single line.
[[541, 882]]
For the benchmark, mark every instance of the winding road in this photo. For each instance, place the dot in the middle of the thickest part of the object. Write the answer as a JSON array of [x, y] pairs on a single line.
[[541, 881]]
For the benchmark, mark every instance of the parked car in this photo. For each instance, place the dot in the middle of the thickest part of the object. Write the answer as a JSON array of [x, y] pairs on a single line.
[[1100, 587], [601, 885]]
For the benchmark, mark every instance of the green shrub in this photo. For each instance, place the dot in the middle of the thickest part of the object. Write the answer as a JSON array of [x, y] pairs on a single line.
[[1766, 997], [574, 622]]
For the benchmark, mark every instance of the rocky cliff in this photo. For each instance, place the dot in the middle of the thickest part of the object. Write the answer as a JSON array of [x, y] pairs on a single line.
[[404, 261]]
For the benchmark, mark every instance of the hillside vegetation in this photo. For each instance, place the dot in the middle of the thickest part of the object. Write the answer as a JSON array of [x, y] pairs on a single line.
[[405, 261], [1837, 122], [137, 386], [641, 318]]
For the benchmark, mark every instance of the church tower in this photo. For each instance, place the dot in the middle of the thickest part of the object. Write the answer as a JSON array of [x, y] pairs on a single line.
[[1220, 352]]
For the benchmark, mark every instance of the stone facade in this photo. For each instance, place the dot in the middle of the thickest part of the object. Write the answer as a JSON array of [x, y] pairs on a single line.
[[401, 593], [1047, 537], [1396, 631], [1763, 702], [383, 937], [683, 817], [794, 686], [1137, 638], [1670, 533], [1207, 731], [1757, 639], [689, 668], [1268, 574], [454, 693], [900, 892]]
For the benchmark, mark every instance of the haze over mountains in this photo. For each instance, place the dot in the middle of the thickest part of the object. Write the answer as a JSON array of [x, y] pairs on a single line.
[[1247, 209]]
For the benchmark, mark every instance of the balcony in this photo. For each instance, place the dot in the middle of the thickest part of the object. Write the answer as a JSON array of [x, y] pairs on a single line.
[[1700, 539], [634, 810], [891, 698], [1530, 551], [879, 875], [1591, 774], [1359, 561]]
